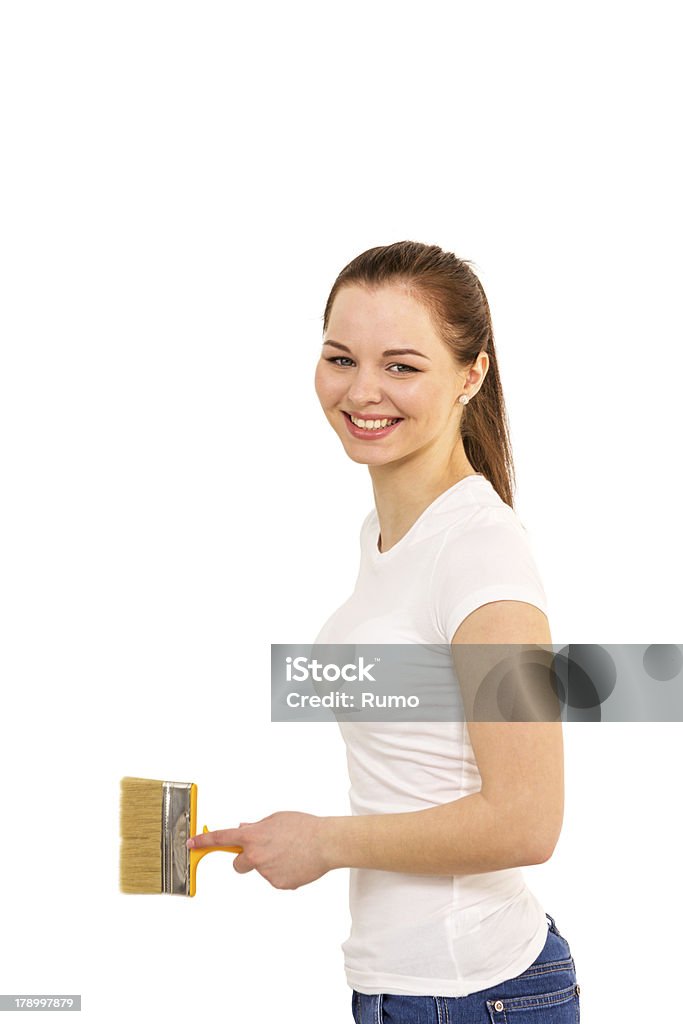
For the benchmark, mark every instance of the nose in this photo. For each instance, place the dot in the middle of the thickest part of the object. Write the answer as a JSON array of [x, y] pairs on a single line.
[[364, 388]]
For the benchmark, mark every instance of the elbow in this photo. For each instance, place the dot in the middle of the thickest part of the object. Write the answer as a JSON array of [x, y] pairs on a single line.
[[532, 832], [546, 837], [543, 855], [533, 847]]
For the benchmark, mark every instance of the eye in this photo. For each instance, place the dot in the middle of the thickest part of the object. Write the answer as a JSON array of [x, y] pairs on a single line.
[[410, 369], [403, 367], [335, 359]]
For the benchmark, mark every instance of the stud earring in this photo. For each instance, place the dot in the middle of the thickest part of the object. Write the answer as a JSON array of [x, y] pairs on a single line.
[[464, 399]]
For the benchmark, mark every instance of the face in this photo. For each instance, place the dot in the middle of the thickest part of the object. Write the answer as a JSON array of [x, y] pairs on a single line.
[[366, 373]]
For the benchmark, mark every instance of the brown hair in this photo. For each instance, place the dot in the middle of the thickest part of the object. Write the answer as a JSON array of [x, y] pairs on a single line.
[[455, 298]]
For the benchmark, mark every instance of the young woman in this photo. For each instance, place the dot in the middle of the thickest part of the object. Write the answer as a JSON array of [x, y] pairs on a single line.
[[445, 814]]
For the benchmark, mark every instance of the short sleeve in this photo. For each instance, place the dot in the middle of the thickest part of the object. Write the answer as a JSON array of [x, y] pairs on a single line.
[[491, 560]]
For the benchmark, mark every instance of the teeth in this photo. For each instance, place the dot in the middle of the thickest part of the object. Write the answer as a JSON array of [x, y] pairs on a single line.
[[372, 424]]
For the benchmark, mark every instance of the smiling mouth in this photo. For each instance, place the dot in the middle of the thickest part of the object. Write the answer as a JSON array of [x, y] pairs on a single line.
[[373, 424]]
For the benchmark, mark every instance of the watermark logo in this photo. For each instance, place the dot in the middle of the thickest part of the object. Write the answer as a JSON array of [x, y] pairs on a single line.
[[301, 670], [477, 682]]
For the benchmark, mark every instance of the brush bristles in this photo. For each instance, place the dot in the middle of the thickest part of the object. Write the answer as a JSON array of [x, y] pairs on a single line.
[[141, 816]]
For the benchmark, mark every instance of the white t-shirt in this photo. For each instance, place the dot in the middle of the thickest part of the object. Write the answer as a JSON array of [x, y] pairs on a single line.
[[415, 934]]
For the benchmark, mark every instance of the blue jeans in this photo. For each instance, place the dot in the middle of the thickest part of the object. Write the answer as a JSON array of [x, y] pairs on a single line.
[[546, 993]]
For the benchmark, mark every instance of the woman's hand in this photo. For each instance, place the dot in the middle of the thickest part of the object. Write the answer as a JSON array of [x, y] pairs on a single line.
[[287, 847]]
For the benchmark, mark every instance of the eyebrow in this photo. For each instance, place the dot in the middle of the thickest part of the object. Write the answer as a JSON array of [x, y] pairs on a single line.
[[389, 351]]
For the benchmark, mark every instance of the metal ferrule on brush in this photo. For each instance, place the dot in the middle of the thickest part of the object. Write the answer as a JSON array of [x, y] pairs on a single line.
[[175, 831]]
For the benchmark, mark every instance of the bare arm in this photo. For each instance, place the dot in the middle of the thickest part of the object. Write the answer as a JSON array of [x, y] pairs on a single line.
[[516, 817]]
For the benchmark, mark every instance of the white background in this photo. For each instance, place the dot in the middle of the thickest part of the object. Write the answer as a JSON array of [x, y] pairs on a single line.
[[181, 184]]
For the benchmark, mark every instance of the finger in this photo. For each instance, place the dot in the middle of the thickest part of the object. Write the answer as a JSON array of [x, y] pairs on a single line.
[[242, 864], [222, 837]]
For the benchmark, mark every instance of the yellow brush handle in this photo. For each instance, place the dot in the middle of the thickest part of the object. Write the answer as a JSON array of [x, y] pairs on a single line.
[[196, 855]]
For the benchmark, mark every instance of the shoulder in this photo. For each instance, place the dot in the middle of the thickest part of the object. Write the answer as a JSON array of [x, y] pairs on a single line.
[[471, 505], [488, 532], [489, 558]]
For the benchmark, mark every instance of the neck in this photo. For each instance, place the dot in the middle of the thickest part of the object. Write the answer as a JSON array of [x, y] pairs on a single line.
[[404, 489]]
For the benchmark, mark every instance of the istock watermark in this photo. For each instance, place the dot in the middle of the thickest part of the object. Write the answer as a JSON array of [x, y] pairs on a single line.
[[301, 669], [477, 682]]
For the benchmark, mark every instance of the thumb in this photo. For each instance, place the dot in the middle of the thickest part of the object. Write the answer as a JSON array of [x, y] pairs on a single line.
[[241, 863]]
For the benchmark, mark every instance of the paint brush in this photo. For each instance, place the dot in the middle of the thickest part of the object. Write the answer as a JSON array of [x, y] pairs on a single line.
[[156, 820]]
